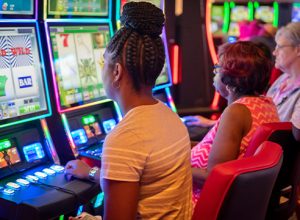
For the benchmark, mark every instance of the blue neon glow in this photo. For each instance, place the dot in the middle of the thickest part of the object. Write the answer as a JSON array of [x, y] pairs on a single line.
[[232, 39], [108, 125], [79, 136], [33, 152]]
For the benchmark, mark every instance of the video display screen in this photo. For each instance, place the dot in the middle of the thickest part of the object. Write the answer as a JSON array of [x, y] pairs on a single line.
[[22, 92], [264, 13], [9, 157], [296, 12], [234, 29], [163, 78], [16, 7], [92, 129], [78, 7], [76, 52], [239, 13], [33, 152], [217, 19]]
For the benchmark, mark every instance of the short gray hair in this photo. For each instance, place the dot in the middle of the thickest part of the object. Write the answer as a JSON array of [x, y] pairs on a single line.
[[291, 32]]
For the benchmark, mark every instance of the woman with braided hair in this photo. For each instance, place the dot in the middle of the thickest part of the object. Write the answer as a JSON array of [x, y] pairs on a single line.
[[145, 165]]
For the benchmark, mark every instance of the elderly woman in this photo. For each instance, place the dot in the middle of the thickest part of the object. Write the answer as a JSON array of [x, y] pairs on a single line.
[[241, 77], [286, 89]]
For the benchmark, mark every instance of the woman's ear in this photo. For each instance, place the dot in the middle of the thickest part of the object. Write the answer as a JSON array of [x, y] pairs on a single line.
[[298, 50], [117, 72]]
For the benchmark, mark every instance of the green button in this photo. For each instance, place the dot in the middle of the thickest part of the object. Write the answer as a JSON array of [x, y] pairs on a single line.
[[4, 144], [3, 80]]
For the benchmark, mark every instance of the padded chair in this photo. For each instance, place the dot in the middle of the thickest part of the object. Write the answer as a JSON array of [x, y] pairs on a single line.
[[240, 189], [284, 195], [263, 133]]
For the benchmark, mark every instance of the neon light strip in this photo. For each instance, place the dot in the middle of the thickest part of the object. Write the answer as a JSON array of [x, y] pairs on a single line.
[[110, 10], [27, 21], [45, 10], [251, 11], [162, 5], [164, 38], [215, 102], [175, 63], [209, 36], [210, 42], [72, 19], [99, 200], [43, 69], [170, 99], [68, 132], [77, 20], [56, 91], [36, 9], [226, 17], [79, 211], [49, 141], [276, 14]]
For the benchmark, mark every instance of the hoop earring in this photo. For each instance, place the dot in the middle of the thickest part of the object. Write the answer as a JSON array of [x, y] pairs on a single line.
[[115, 84], [230, 89]]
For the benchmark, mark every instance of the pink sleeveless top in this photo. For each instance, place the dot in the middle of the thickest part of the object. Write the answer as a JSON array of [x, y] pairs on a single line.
[[262, 109]]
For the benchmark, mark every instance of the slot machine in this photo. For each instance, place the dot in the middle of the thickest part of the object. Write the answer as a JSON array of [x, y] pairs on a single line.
[[295, 15], [238, 13], [75, 43], [32, 182], [267, 12], [163, 83]]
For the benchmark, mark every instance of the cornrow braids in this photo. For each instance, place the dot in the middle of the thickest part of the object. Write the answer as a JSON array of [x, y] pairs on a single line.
[[132, 53], [116, 44], [138, 43], [143, 17]]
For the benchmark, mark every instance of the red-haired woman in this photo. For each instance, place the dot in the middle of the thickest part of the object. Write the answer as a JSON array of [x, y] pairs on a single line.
[[241, 77]]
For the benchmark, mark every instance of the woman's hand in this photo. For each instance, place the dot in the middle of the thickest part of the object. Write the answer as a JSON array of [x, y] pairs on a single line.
[[77, 168], [85, 216], [198, 120]]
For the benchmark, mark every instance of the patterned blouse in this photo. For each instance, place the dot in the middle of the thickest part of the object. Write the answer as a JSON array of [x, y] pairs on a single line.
[[262, 109]]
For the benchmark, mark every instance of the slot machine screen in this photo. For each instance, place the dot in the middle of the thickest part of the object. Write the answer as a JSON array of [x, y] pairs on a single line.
[[76, 51], [296, 12], [234, 29], [9, 154], [78, 7], [239, 13], [22, 89], [163, 78], [264, 13], [16, 7], [217, 19]]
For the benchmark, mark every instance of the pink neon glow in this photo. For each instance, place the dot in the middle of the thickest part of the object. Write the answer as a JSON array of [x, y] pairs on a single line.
[[211, 47], [175, 63]]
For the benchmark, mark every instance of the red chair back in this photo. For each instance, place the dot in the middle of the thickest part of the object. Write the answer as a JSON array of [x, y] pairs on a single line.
[[240, 189], [263, 133]]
